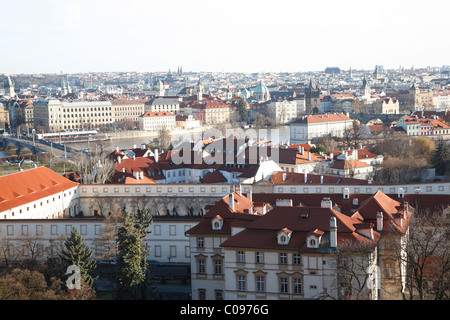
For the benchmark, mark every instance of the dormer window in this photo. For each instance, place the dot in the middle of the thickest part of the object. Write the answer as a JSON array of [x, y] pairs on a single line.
[[283, 236], [217, 223], [313, 239]]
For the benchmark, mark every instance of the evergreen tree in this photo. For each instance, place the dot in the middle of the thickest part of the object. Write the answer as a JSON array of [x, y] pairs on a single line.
[[76, 252], [242, 108], [132, 255], [440, 157]]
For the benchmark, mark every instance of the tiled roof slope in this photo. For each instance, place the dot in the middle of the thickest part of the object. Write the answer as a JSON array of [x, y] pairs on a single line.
[[30, 185]]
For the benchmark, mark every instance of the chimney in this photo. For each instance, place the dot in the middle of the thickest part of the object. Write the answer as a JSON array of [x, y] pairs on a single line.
[[346, 193], [333, 232], [379, 221], [141, 174], [117, 148], [231, 201], [143, 147], [326, 203], [284, 176], [401, 193], [238, 189], [119, 159], [283, 203], [306, 177], [156, 156], [250, 210], [249, 196], [309, 156], [321, 179], [134, 146]]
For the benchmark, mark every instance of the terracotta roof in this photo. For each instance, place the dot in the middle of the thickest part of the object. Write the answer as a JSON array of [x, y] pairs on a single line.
[[158, 114], [238, 217], [303, 221], [349, 164], [214, 177], [329, 117], [30, 185], [294, 178], [362, 153]]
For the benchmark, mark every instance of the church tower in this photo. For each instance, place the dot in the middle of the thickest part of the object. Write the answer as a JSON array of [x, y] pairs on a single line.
[[365, 89], [9, 88], [200, 89], [414, 97], [312, 98]]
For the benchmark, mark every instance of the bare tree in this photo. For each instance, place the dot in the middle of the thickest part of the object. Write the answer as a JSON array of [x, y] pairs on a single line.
[[353, 263], [93, 169], [427, 256], [354, 136]]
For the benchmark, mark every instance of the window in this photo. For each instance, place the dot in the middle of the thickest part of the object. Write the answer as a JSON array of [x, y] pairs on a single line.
[[241, 282], [240, 256], [158, 251], [39, 230], [201, 266], [283, 258], [172, 230], [202, 294], [284, 285], [200, 242], [54, 229], [24, 230], [260, 284], [157, 230], [173, 251], [389, 271], [219, 295], [259, 257], [297, 286], [296, 259], [218, 266], [10, 230]]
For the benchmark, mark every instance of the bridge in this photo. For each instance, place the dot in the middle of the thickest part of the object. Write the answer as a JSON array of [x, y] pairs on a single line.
[[385, 118], [36, 146]]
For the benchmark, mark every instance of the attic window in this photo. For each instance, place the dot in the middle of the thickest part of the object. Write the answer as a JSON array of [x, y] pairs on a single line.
[[217, 223], [284, 236]]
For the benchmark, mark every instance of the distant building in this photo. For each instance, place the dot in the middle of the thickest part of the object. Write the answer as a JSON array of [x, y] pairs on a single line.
[[127, 110], [315, 126], [160, 104], [283, 111], [421, 126], [54, 115], [261, 93], [9, 88], [155, 121], [312, 98], [332, 70], [187, 122]]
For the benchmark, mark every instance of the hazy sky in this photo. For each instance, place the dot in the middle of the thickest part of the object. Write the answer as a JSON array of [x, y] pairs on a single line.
[[48, 36]]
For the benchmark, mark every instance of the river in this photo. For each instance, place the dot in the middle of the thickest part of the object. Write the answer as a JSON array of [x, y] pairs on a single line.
[[123, 142]]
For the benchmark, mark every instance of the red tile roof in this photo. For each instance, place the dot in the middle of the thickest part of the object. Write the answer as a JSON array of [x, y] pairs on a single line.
[[329, 117], [30, 185]]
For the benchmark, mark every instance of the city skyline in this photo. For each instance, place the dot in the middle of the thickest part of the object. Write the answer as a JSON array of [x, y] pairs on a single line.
[[97, 36]]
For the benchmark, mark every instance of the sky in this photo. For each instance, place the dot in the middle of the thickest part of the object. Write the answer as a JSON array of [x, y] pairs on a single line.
[[54, 36]]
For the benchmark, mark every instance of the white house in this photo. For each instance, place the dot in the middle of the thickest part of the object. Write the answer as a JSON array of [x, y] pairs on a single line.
[[316, 126], [155, 121]]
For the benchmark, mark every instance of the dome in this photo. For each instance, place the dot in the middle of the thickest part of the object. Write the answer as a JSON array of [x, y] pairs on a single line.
[[261, 88]]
